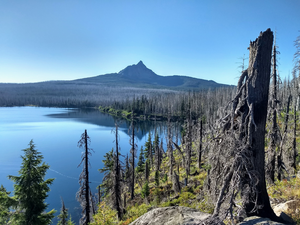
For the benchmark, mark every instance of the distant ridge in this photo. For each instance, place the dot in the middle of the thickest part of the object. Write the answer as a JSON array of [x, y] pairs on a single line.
[[138, 75]]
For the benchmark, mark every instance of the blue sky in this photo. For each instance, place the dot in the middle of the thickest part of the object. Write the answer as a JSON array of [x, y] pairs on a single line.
[[43, 40]]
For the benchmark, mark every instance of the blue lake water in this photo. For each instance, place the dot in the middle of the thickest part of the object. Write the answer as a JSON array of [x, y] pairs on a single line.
[[56, 132]]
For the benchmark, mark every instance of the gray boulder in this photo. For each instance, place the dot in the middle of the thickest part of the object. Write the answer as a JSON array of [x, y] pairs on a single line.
[[258, 220], [175, 215]]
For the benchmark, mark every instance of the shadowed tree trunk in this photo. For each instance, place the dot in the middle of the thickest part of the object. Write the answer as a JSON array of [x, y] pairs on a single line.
[[295, 153], [258, 90], [117, 178], [239, 153]]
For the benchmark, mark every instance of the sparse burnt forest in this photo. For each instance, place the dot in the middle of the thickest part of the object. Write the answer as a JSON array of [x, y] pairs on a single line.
[[70, 94], [237, 147]]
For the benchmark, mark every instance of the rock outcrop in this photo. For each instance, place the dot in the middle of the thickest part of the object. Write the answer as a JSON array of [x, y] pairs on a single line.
[[289, 206], [258, 220], [175, 215]]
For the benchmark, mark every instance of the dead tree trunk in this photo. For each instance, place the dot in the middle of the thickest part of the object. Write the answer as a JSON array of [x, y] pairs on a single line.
[[83, 194], [188, 145], [170, 149], [176, 183], [280, 164], [133, 156], [258, 90], [117, 178], [87, 185], [239, 153], [295, 152], [200, 145], [270, 173]]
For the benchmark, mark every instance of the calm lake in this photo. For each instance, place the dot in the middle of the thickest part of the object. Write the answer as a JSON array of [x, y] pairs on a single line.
[[56, 132]]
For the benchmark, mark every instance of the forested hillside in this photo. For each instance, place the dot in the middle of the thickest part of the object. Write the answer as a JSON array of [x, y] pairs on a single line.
[[133, 82]]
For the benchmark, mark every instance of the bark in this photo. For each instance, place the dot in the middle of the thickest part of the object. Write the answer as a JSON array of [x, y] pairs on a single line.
[[295, 153], [258, 90], [274, 129], [238, 159], [147, 171], [99, 195]]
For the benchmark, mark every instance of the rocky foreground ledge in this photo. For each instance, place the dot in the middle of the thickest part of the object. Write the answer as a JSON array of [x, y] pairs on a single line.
[[178, 215], [174, 215]]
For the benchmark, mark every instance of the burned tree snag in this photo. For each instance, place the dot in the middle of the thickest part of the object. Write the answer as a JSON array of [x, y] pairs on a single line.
[[280, 164], [239, 148], [295, 153], [133, 156], [188, 145], [258, 90], [170, 148], [117, 178], [270, 168], [83, 194], [200, 145]]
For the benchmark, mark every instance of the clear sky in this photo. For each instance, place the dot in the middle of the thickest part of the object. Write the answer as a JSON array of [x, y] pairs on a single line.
[[43, 40]]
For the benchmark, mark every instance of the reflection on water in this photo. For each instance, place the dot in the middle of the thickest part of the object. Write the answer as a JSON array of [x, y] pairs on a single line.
[[55, 133], [95, 117]]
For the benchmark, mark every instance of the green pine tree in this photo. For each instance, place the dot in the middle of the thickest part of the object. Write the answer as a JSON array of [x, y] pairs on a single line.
[[141, 163], [156, 141], [148, 152], [6, 202], [31, 189], [70, 222], [157, 178], [146, 190], [64, 215], [108, 172]]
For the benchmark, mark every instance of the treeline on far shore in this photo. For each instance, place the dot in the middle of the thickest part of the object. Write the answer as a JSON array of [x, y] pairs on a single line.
[[145, 103]]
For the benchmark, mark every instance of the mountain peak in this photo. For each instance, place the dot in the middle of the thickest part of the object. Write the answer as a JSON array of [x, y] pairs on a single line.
[[140, 63], [137, 72]]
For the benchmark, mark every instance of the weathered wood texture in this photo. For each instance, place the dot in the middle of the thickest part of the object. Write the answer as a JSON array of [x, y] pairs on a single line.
[[259, 70]]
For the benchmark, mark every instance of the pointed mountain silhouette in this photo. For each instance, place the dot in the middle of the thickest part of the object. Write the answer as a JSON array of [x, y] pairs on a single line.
[[138, 75]]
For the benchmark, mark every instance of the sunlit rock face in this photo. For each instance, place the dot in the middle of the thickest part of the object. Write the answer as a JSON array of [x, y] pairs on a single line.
[[175, 215]]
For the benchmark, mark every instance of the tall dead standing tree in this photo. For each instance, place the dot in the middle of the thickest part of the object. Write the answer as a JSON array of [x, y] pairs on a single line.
[[116, 192], [132, 157], [83, 194], [238, 160], [170, 148], [188, 143], [200, 144], [274, 133]]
